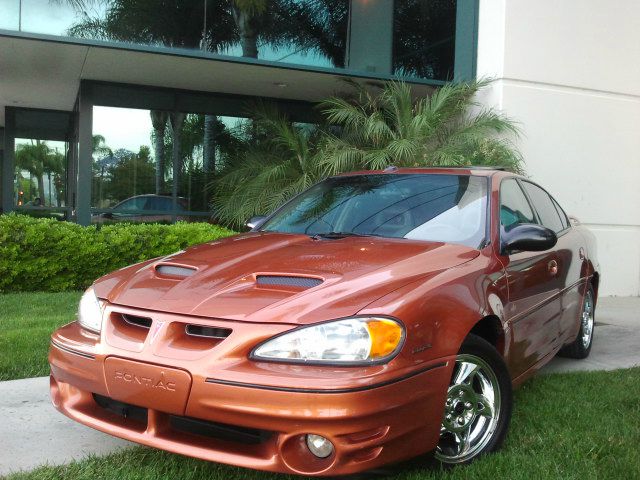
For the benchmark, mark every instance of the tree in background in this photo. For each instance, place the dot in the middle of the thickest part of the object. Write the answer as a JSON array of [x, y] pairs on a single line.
[[40, 160], [392, 127], [174, 23], [424, 38], [130, 174], [159, 124], [368, 131], [304, 26], [276, 160]]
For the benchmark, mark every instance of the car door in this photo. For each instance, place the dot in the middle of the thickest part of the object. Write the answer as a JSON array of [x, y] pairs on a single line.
[[568, 255], [533, 307], [159, 208]]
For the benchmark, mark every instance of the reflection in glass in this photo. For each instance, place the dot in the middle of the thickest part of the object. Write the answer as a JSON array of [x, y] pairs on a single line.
[[40, 173], [51, 17], [125, 165], [141, 157], [437, 208], [10, 17], [311, 32], [306, 32], [424, 38]]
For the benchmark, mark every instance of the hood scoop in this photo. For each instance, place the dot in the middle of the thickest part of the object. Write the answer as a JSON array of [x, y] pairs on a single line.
[[179, 271], [287, 281]]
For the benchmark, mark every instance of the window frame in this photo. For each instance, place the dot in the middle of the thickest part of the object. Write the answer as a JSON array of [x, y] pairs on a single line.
[[528, 200], [554, 202]]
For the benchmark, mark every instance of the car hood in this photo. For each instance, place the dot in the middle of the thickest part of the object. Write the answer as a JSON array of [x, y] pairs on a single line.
[[241, 277]]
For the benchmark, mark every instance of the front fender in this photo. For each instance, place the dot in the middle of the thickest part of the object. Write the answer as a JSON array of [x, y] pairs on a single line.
[[440, 311]]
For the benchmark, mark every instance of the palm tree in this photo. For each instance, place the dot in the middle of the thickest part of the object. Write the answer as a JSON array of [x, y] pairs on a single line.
[[278, 160], [159, 123], [393, 127], [369, 131], [54, 167], [33, 157], [99, 146]]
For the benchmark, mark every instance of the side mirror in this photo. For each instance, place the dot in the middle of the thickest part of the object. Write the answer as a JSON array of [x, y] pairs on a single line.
[[255, 222], [527, 238], [107, 215]]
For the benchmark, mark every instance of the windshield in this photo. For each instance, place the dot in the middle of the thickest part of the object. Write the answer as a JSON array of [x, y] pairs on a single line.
[[430, 207]]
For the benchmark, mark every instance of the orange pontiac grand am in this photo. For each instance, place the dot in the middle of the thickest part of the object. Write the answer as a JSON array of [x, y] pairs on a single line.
[[375, 317]]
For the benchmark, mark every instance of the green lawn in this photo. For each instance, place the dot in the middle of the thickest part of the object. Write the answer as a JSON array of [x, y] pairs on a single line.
[[569, 426], [26, 321]]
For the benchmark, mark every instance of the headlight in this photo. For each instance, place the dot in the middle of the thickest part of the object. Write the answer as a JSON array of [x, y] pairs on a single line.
[[352, 340], [90, 311]]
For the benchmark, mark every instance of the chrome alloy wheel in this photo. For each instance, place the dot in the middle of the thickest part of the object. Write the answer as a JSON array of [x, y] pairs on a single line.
[[472, 410], [587, 320]]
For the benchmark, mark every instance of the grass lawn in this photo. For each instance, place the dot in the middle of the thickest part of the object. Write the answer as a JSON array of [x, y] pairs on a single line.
[[570, 426], [26, 321]]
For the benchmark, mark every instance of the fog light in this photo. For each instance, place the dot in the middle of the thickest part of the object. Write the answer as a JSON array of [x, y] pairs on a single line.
[[319, 446]]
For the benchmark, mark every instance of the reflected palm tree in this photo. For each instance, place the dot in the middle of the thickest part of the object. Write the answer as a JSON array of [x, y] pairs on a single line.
[[40, 160], [159, 124]]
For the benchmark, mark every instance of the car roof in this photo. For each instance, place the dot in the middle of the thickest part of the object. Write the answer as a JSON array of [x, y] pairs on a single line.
[[467, 170], [143, 195]]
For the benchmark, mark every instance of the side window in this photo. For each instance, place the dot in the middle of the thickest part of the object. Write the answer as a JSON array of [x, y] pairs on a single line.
[[159, 203], [514, 206], [131, 205], [543, 204]]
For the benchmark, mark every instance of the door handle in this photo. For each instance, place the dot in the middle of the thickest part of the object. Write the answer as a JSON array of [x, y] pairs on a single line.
[[553, 268]]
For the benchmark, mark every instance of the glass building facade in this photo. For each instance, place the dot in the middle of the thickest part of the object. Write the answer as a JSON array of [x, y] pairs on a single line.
[[136, 152]]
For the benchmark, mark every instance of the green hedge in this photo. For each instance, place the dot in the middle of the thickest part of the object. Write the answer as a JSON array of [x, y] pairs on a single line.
[[38, 254]]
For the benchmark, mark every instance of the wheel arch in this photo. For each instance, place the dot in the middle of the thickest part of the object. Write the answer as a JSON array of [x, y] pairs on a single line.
[[490, 328], [595, 283]]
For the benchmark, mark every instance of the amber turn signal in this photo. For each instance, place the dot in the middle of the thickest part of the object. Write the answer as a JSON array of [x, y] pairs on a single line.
[[385, 336]]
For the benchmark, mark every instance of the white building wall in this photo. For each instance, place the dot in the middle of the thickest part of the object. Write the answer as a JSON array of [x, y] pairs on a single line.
[[570, 73]]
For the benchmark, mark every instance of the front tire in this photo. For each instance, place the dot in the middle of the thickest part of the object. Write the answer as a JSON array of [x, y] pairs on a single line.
[[478, 405]]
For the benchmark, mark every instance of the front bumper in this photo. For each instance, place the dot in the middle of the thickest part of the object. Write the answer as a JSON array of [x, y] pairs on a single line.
[[371, 423]]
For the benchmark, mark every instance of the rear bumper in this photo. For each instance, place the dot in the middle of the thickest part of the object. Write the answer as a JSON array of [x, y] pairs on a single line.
[[370, 426]]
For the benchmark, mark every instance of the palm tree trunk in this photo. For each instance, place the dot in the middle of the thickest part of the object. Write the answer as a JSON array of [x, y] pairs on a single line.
[[41, 188], [159, 122], [176, 119], [248, 36], [209, 146]]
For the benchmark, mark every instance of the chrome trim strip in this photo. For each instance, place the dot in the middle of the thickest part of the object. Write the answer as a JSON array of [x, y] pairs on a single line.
[[328, 391], [72, 351]]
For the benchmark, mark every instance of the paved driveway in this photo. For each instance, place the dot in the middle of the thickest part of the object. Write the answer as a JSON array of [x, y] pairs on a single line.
[[33, 433]]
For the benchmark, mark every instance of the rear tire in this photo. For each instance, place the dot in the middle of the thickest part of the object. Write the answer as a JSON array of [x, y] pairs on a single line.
[[581, 346], [478, 405]]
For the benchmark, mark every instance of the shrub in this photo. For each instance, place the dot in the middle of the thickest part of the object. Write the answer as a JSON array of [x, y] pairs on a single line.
[[39, 254]]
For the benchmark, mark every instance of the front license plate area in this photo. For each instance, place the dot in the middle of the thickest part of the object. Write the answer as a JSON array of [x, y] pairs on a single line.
[[153, 386]]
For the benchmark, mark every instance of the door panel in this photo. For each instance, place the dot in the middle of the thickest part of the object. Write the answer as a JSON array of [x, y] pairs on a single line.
[[567, 251], [534, 283], [534, 307]]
